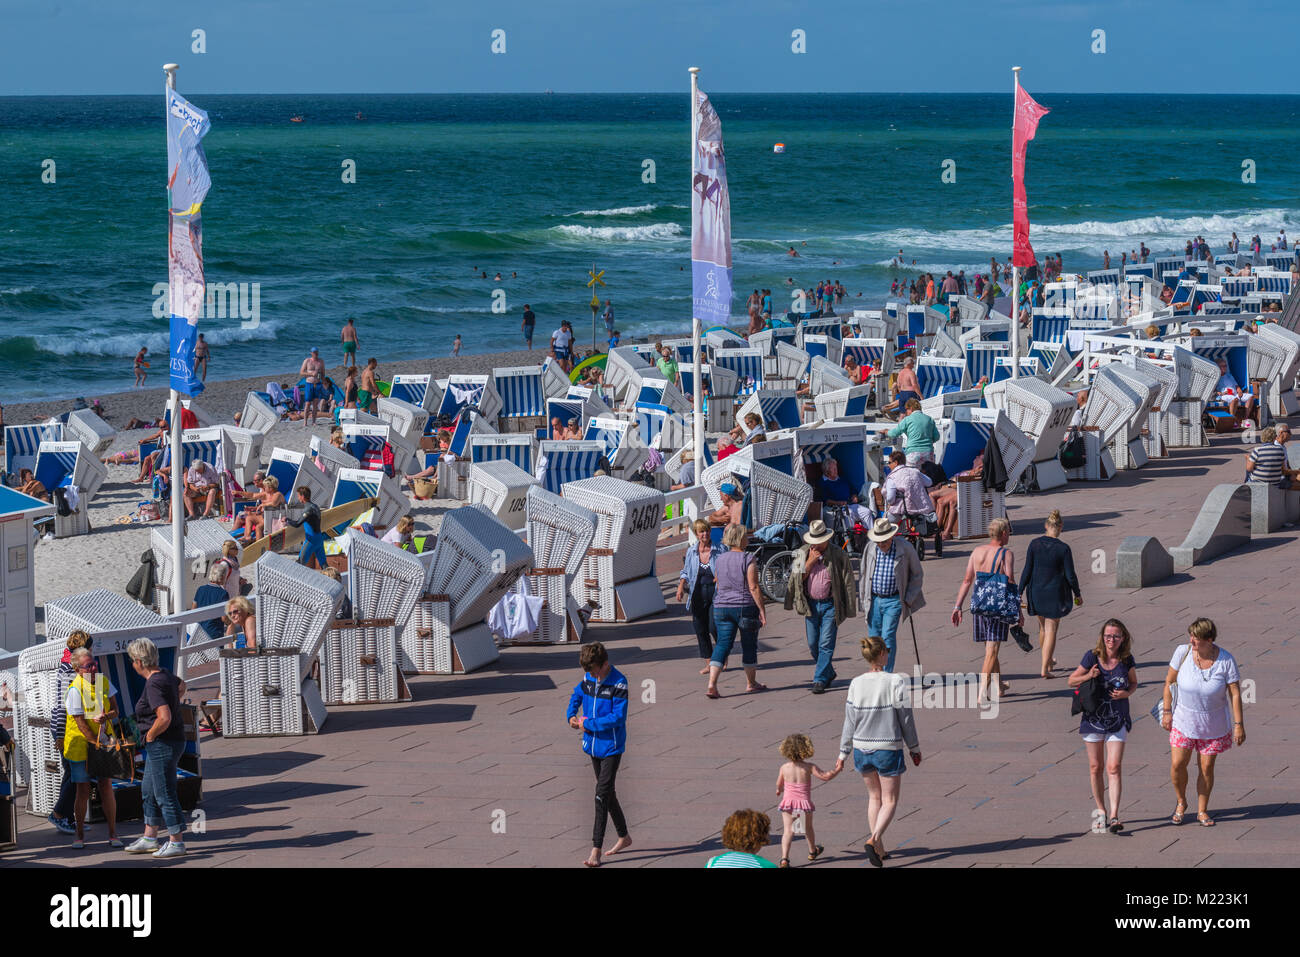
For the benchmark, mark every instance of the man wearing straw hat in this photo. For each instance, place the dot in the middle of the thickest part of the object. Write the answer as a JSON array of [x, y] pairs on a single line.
[[821, 589], [891, 584]]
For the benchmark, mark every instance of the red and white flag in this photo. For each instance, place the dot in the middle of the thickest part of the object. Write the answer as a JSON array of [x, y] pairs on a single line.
[[1028, 113]]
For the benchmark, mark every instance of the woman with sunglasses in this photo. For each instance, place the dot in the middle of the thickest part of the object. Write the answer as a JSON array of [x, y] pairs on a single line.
[[1105, 730], [90, 702]]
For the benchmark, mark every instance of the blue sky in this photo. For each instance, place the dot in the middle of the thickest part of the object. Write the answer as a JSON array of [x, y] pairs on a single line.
[[578, 46]]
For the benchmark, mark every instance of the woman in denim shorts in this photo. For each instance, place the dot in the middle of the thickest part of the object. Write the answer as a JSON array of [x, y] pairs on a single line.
[[877, 724]]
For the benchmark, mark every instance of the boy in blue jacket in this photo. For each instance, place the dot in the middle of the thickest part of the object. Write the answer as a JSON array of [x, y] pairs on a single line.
[[598, 708]]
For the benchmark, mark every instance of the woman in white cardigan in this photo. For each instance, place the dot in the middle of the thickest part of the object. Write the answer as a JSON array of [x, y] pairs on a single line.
[[877, 724]]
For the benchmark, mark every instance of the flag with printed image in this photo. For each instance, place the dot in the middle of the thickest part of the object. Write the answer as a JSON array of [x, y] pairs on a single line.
[[1028, 113], [710, 220], [187, 186]]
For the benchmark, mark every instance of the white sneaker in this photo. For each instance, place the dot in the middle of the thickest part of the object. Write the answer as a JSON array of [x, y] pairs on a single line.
[[170, 849], [143, 845]]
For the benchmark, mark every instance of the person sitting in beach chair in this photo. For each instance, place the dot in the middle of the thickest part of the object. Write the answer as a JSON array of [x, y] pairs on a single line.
[[201, 485], [28, 484], [733, 506], [907, 387], [252, 520], [1229, 392], [837, 493], [241, 623]]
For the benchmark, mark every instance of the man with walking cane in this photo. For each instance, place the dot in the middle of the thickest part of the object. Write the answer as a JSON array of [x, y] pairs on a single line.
[[891, 585]]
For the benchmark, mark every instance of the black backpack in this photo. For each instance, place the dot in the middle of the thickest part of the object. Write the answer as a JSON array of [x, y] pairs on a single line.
[[61, 503], [1073, 451]]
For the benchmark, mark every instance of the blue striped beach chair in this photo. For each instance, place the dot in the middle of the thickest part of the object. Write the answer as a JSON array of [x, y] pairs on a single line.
[[355, 484], [651, 420], [1280, 283], [1167, 264], [517, 449], [872, 352], [1221, 309], [414, 389], [828, 347], [64, 464], [23, 441], [623, 446], [915, 324], [567, 461], [208, 445], [848, 403], [523, 398], [981, 360], [1104, 277], [746, 364], [773, 405], [459, 391], [936, 376], [1140, 269], [366, 443], [1058, 297], [1238, 287], [1029, 366], [848, 444], [1280, 260], [56, 464], [1049, 327]]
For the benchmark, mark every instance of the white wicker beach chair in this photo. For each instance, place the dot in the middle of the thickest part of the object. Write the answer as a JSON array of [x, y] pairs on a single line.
[[826, 376], [1112, 405], [843, 405], [405, 419], [384, 581], [64, 464], [619, 575], [294, 604], [360, 663], [1197, 376], [37, 757], [1042, 412], [476, 561], [258, 414], [792, 362], [204, 540], [559, 533], [245, 447], [502, 487], [772, 405], [90, 430], [776, 496], [263, 693], [1282, 398], [1148, 387], [622, 362]]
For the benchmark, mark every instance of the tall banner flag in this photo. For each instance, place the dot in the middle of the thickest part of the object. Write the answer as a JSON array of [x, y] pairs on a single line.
[[1028, 113], [710, 220], [187, 186]]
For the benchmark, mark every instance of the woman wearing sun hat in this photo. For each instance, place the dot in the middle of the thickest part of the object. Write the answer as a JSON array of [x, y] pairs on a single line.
[[821, 589]]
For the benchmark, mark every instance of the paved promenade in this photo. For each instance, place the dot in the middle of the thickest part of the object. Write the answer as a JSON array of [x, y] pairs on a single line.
[[482, 769]]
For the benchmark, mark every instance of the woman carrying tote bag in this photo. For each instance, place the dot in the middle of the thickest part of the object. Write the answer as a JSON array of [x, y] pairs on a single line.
[[995, 604]]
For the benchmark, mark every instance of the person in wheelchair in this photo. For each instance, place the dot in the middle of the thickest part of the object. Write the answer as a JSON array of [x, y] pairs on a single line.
[[906, 495], [838, 494]]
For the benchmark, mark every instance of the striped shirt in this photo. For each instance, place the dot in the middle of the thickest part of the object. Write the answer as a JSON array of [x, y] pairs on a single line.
[[883, 580], [738, 859], [1269, 461]]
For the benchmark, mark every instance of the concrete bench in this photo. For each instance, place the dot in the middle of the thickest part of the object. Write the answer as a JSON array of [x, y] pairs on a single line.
[[1271, 507], [1224, 523], [1141, 561]]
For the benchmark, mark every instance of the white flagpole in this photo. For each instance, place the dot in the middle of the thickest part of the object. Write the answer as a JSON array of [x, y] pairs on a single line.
[[179, 564], [1015, 270], [697, 327]]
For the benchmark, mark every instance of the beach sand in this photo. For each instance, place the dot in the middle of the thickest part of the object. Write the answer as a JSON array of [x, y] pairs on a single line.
[[110, 554]]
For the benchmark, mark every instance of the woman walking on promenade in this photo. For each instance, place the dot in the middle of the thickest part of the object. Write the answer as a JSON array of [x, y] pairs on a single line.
[[877, 724], [993, 558], [158, 715], [737, 607], [696, 588], [1105, 730], [1047, 584], [794, 788], [1207, 717]]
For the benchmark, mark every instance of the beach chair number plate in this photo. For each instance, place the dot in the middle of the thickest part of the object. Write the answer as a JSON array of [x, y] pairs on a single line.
[[644, 518]]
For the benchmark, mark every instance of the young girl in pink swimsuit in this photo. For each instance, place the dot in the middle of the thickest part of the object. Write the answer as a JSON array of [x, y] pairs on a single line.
[[794, 785]]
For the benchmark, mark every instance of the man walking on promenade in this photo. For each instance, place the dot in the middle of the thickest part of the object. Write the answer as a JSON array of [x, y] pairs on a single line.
[[821, 589], [891, 585], [598, 708], [349, 338]]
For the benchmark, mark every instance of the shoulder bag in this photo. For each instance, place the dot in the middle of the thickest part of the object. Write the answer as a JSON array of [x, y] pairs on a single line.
[[996, 596], [111, 757]]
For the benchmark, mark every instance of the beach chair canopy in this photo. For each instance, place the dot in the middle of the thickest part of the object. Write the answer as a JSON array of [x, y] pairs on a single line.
[[826, 376], [827, 347], [521, 390], [1039, 409], [936, 375], [418, 389], [460, 391], [210, 445], [354, 484], [847, 444], [518, 449], [745, 363], [628, 519], [292, 469], [406, 419], [1029, 366], [981, 361], [773, 405], [476, 562], [332, 459], [567, 461], [23, 441], [384, 581], [849, 403], [559, 530]]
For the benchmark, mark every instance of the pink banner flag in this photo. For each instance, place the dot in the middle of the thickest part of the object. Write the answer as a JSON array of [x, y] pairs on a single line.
[[1028, 113]]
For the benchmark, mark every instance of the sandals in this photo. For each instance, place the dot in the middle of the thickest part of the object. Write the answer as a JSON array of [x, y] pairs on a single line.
[[754, 689], [785, 862], [1204, 819], [1178, 814], [872, 855], [1115, 826], [816, 852]]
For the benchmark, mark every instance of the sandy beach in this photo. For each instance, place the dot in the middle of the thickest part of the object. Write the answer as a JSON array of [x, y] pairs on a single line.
[[110, 554]]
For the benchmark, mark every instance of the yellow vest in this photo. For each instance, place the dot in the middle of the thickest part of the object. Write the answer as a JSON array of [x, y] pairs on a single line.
[[74, 742]]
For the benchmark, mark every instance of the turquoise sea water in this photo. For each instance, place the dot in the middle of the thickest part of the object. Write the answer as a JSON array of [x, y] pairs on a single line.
[[545, 186]]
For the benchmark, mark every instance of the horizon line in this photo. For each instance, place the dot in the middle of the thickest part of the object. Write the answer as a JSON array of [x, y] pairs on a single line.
[[682, 92]]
